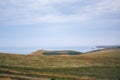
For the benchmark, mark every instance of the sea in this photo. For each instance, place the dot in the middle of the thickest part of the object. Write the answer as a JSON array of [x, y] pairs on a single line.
[[28, 50]]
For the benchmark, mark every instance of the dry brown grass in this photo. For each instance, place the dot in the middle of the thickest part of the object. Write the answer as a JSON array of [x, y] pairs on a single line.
[[99, 59], [114, 53]]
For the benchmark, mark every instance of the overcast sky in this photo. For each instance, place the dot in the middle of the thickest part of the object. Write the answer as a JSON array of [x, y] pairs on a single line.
[[59, 22]]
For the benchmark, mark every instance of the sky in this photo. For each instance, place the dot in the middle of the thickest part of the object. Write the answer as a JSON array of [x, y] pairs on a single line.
[[50, 23]]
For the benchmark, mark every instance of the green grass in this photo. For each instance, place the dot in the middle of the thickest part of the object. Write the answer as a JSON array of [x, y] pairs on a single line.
[[61, 52], [102, 65], [97, 72]]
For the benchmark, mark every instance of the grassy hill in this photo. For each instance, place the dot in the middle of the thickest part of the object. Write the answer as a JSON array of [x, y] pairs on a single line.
[[94, 65], [109, 52], [62, 52]]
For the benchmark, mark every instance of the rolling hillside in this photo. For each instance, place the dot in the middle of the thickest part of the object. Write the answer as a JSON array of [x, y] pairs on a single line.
[[94, 65], [109, 52], [62, 52]]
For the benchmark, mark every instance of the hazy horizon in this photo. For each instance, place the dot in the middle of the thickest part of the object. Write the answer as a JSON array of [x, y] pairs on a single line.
[[59, 23]]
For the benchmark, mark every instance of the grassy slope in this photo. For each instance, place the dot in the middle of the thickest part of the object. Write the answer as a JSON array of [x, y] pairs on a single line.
[[115, 52], [61, 52], [102, 65]]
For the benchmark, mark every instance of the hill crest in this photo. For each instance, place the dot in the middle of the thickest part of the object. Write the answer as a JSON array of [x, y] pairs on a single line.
[[56, 52]]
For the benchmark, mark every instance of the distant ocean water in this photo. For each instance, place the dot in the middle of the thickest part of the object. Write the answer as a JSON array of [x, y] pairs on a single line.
[[28, 50]]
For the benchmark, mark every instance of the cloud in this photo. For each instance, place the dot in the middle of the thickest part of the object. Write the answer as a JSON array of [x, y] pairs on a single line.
[[48, 11], [103, 7]]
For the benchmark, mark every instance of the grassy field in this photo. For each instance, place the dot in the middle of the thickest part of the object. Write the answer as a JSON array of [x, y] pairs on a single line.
[[95, 65]]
